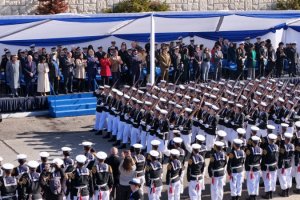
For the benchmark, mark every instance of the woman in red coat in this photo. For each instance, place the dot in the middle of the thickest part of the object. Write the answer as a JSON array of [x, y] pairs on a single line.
[[105, 69]]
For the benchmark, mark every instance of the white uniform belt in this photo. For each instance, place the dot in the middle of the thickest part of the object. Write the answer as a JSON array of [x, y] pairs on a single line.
[[103, 185], [256, 165], [286, 160], [172, 178], [7, 197], [272, 164], [237, 167], [216, 170], [138, 172], [197, 176], [154, 179], [81, 187]]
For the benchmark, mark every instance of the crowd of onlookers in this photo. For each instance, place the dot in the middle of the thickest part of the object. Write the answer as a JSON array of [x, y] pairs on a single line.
[[79, 69]]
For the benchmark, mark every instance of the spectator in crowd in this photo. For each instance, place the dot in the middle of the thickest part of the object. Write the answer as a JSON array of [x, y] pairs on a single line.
[[29, 71], [92, 69], [13, 75], [196, 62], [135, 66], [205, 66], [100, 53], [251, 61], [125, 67], [263, 59], [113, 47], [127, 173], [105, 71], [281, 57], [165, 63], [80, 66], [116, 63], [54, 73], [231, 59], [186, 61], [68, 72], [43, 84], [241, 58], [271, 60], [293, 57], [176, 63], [218, 58], [114, 161]]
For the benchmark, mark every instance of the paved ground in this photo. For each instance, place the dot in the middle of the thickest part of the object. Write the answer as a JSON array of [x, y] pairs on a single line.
[[32, 135]]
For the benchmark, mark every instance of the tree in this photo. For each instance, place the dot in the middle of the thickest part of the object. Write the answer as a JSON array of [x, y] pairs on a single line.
[[130, 6], [47, 7], [288, 5]]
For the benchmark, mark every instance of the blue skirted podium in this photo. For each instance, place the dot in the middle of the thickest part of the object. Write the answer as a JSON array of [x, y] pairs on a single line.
[[23, 104]]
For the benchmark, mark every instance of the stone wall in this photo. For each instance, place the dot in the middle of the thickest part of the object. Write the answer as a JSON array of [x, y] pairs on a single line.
[[23, 7]]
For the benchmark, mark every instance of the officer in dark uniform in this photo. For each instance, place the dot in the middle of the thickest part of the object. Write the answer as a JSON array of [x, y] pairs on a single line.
[[216, 170], [44, 159], [140, 163], [99, 107], [296, 143], [235, 168], [252, 167], [200, 139], [22, 168], [153, 176], [254, 131], [81, 181], [102, 177], [286, 154], [262, 120], [154, 144], [68, 166], [174, 171], [8, 183], [30, 183], [135, 186], [269, 166], [195, 171], [89, 154]]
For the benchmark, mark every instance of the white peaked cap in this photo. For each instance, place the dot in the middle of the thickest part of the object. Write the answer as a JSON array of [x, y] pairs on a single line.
[[81, 158]]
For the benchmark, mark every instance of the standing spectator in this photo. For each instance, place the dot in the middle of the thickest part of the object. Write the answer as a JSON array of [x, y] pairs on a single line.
[[80, 66], [127, 173], [54, 73], [231, 58], [135, 66], [100, 53], [29, 71], [263, 58], [197, 62], [176, 63], [271, 60], [205, 66], [114, 161], [105, 71], [13, 75], [192, 47], [186, 61], [281, 56], [68, 72], [92, 69], [116, 63], [251, 62], [218, 57], [125, 67], [112, 48], [43, 85], [293, 57], [241, 57], [165, 63]]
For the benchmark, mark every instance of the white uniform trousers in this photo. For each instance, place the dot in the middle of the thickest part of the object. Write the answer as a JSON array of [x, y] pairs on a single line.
[[285, 178], [103, 123], [262, 133], [110, 119], [248, 131], [126, 133], [149, 139], [231, 135], [134, 136], [195, 131], [253, 182], [162, 146], [97, 121], [236, 183], [144, 135], [181, 181], [120, 130], [216, 188], [174, 191], [142, 181], [116, 122], [82, 198], [195, 189], [290, 129], [154, 195], [297, 177], [277, 128], [270, 182], [103, 195], [210, 140], [187, 139]]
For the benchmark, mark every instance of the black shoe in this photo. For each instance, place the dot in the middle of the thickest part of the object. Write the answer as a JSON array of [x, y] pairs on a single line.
[[297, 191], [113, 139], [99, 133], [287, 192], [266, 196], [123, 146], [106, 137], [282, 193], [93, 130], [271, 195], [233, 198], [117, 143]]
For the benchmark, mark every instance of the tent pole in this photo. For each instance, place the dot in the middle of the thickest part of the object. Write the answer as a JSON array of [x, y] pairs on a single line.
[[152, 51]]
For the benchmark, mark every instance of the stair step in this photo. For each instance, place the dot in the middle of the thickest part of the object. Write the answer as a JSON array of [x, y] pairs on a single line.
[[71, 96], [72, 101], [73, 107], [72, 113]]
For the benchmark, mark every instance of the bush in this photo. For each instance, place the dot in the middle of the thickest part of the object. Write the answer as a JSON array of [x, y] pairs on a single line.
[[288, 5], [130, 6]]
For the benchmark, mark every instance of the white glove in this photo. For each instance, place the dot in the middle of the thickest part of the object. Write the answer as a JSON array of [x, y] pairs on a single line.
[[274, 116], [206, 125], [180, 128], [158, 131], [226, 120], [148, 128], [126, 117], [232, 123], [132, 120], [143, 123], [171, 126], [201, 121]]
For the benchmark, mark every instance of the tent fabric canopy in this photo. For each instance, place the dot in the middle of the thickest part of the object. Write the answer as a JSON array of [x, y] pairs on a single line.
[[69, 29]]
